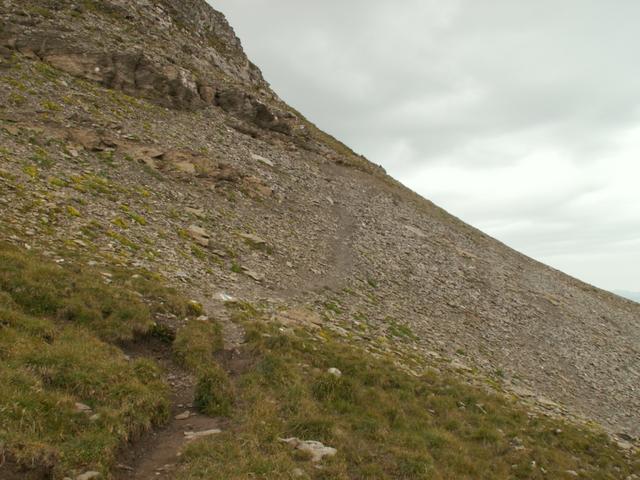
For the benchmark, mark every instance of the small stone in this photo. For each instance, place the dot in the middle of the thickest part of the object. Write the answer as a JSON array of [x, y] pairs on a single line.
[[199, 235], [226, 297], [573, 473], [335, 372], [261, 159], [251, 274], [81, 407], [416, 231], [186, 167], [457, 365], [315, 449], [198, 212], [183, 416], [11, 130], [204, 433], [300, 316], [89, 475], [253, 239]]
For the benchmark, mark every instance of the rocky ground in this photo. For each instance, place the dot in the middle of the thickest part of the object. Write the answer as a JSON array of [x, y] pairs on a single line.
[[183, 161]]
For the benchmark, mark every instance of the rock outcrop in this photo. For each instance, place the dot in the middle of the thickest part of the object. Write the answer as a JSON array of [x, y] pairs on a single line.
[[202, 65]]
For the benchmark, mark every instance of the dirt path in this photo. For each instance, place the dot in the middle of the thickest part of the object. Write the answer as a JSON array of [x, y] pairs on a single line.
[[155, 455], [339, 253]]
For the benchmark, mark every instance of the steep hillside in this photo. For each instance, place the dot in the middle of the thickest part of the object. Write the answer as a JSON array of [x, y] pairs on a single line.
[[136, 136]]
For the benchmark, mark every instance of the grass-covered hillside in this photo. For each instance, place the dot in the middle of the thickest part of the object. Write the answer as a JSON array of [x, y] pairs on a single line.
[[384, 423], [72, 400]]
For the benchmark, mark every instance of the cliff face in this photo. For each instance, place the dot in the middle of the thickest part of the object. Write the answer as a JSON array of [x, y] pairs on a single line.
[[179, 54], [137, 132]]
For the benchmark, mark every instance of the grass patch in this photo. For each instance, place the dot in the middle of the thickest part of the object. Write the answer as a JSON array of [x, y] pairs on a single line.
[[56, 328], [385, 423], [112, 312], [196, 343], [213, 395], [73, 212], [194, 348]]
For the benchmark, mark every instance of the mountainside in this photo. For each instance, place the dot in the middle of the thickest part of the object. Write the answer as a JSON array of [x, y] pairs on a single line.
[[137, 136]]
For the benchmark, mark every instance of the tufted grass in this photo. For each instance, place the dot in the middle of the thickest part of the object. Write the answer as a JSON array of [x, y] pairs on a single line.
[[385, 423], [58, 330]]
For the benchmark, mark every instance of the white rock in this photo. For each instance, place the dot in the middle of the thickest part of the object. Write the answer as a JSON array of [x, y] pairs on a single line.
[[335, 372], [315, 449], [204, 433], [226, 298], [88, 476], [183, 415], [81, 407], [261, 159]]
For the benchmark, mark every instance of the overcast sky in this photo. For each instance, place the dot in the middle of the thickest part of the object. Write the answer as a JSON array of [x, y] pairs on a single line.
[[521, 118]]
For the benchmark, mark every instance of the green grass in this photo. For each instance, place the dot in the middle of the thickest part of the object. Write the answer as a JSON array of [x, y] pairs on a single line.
[[385, 423], [194, 348], [57, 326], [214, 394], [196, 343]]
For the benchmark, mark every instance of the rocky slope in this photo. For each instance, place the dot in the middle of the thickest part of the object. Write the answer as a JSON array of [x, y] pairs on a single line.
[[137, 133]]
